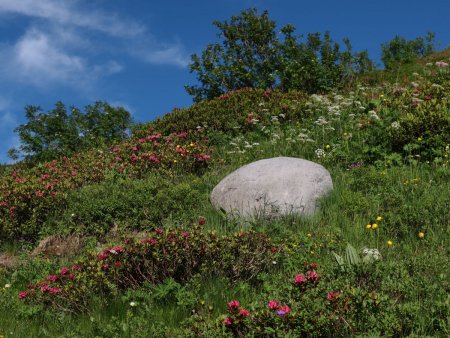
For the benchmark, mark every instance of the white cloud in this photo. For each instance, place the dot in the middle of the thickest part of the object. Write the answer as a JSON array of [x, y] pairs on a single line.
[[38, 58], [45, 58], [67, 13], [171, 55]]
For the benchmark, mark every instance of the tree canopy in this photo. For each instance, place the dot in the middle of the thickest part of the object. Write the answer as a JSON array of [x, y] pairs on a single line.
[[61, 132], [251, 54]]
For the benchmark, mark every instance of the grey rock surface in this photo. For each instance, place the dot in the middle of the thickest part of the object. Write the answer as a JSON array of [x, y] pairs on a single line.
[[273, 187]]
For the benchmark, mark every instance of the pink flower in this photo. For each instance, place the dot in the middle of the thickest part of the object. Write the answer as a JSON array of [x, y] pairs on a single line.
[[23, 294], [55, 290], [70, 275], [228, 321], [118, 264], [331, 296], [312, 276], [150, 241], [244, 313], [313, 266], [299, 279], [75, 267], [273, 304], [283, 310], [64, 270], [102, 257], [233, 305], [52, 278], [106, 266]]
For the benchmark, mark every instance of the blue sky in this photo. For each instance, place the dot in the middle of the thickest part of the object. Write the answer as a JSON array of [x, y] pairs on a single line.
[[135, 53]]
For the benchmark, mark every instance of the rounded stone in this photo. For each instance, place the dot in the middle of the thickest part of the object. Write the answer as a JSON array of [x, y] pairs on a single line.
[[273, 187]]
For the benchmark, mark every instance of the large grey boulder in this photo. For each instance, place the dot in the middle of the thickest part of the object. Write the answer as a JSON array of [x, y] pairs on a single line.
[[273, 187]]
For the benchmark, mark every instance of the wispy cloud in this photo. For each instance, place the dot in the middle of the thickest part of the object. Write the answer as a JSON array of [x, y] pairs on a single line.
[[57, 46], [68, 13], [164, 55], [44, 58]]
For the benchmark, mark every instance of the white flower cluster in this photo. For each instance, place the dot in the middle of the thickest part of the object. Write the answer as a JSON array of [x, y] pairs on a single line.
[[372, 253], [320, 153]]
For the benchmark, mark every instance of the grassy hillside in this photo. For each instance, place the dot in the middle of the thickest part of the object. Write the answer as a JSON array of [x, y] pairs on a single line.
[[133, 248]]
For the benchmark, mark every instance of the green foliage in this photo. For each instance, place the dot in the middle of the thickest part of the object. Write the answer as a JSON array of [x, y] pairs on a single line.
[[177, 254], [251, 55], [59, 132], [126, 204], [400, 51], [30, 195], [230, 114]]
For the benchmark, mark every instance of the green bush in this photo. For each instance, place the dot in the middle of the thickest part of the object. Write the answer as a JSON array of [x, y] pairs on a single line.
[[30, 195], [178, 254], [126, 203], [400, 51], [233, 113]]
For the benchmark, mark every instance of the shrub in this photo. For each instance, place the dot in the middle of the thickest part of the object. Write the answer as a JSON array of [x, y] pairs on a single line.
[[29, 196], [399, 51], [134, 204], [179, 254], [232, 113]]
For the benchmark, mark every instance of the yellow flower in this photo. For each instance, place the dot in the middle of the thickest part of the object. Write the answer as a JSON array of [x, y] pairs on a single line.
[[327, 146], [175, 161], [309, 235], [379, 218], [374, 226], [390, 243], [369, 226], [421, 234], [192, 144]]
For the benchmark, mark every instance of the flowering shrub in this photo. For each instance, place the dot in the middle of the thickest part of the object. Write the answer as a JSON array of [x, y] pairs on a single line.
[[177, 254], [231, 113], [28, 196]]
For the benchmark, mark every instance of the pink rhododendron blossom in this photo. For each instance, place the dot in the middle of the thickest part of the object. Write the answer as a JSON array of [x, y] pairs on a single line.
[[283, 310], [23, 294], [233, 305], [52, 278], [299, 279], [228, 321], [55, 290], [244, 313], [331, 296], [312, 276]]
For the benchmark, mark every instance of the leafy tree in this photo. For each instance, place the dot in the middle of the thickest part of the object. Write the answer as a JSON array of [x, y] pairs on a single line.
[[252, 55], [247, 57], [61, 132], [400, 51]]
